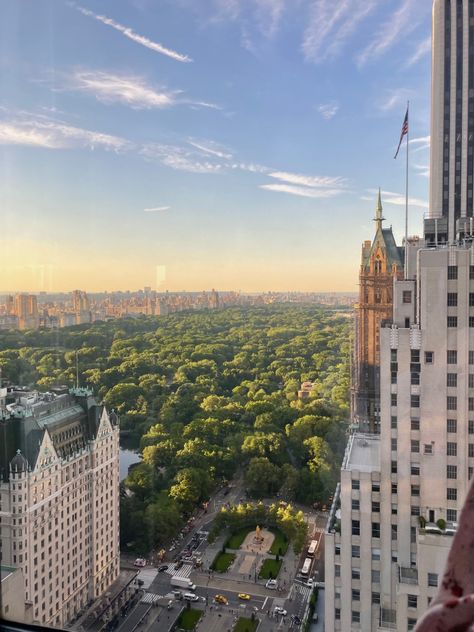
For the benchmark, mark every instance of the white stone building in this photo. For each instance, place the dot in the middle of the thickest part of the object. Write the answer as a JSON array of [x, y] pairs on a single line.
[[59, 499]]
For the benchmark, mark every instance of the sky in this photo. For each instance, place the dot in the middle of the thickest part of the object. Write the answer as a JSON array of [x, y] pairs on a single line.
[[197, 144]]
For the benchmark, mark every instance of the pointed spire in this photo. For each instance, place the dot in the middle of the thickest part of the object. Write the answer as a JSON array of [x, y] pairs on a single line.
[[378, 210]]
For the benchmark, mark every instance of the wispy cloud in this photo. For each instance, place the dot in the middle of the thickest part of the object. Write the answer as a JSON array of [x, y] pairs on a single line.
[[398, 199], [309, 181], [56, 135], [423, 170], [402, 22], [181, 158], [156, 209], [330, 26], [211, 148], [269, 15], [421, 143], [135, 37], [423, 48], [328, 110], [132, 91], [393, 99], [301, 191]]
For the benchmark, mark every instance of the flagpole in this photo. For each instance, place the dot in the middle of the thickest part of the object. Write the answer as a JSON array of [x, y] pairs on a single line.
[[406, 195]]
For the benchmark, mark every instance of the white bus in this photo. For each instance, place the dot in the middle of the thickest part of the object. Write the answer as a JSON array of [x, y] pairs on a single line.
[[306, 566], [313, 545]]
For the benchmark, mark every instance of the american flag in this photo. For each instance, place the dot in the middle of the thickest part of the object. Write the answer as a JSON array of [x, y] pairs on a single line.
[[404, 132]]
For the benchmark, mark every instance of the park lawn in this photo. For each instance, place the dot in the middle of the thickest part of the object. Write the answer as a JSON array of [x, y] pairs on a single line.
[[270, 569], [279, 543], [222, 562], [246, 625], [236, 539], [189, 618]]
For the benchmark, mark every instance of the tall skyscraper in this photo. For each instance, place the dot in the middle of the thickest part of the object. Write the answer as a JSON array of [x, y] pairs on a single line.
[[382, 261], [396, 508], [452, 122]]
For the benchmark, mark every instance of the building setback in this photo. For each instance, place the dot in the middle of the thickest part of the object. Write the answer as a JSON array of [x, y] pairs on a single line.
[[59, 499]]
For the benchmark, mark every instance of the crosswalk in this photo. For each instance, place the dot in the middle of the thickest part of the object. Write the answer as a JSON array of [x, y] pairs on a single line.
[[150, 598], [304, 591], [184, 571]]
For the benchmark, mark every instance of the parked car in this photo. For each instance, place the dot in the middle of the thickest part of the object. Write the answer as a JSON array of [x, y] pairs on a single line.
[[139, 562], [221, 599], [451, 528], [244, 596], [163, 568], [272, 584]]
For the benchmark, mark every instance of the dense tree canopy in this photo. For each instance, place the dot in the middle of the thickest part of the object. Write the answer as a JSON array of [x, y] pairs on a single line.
[[205, 395]]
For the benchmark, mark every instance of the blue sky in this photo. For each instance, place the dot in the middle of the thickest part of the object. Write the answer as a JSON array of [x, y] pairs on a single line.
[[190, 144]]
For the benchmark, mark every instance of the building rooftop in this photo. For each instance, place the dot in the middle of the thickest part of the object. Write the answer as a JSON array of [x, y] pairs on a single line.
[[362, 453]]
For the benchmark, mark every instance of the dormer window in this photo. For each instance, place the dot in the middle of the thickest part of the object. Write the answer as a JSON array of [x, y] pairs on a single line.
[[378, 266]]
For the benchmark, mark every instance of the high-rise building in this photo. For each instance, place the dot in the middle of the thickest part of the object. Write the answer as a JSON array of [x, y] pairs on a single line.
[[382, 262], [26, 310], [396, 508], [452, 122], [59, 500]]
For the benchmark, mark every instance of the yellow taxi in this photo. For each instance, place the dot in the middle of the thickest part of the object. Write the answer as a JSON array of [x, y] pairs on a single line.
[[221, 599], [244, 596]]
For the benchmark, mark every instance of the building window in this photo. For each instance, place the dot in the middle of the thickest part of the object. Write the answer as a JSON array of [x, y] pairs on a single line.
[[415, 490], [470, 403], [337, 614], [451, 515], [452, 272], [394, 377], [415, 356], [429, 357], [471, 357], [355, 527], [355, 484], [415, 445], [471, 380], [394, 485], [451, 402], [393, 444], [428, 448], [355, 551], [394, 470], [413, 535], [452, 299], [415, 423], [375, 597], [415, 379], [452, 356], [451, 471], [376, 529], [375, 576], [393, 422], [415, 469], [375, 506], [355, 616], [337, 549], [415, 401], [433, 579], [375, 487], [355, 504], [471, 272], [471, 450], [469, 472], [452, 380], [394, 532], [394, 509], [356, 573], [414, 510], [412, 601], [355, 594], [411, 623], [452, 425], [393, 355], [337, 570], [376, 554], [452, 321], [471, 321], [471, 426], [451, 493], [471, 299], [406, 296], [451, 448], [393, 399]]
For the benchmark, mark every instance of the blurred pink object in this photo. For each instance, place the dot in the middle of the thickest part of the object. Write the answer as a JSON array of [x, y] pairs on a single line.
[[453, 608]]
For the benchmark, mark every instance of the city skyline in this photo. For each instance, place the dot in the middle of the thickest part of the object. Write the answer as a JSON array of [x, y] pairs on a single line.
[[227, 126]]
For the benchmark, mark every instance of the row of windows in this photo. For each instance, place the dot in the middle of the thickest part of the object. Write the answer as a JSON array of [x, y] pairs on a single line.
[[451, 358], [452, 299], [453, 272]]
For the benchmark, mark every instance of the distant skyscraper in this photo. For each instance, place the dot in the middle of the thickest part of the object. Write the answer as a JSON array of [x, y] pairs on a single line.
[[26, 310], [382, 261], [452, 122]]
